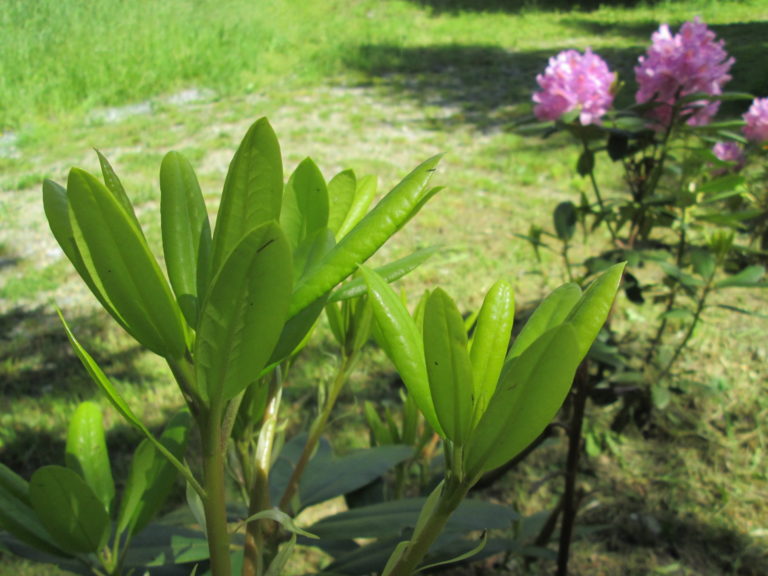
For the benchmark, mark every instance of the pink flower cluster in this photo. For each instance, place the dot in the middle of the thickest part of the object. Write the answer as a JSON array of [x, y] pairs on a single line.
[[729, 152], [574, 81], [686, 63], [757, 121]]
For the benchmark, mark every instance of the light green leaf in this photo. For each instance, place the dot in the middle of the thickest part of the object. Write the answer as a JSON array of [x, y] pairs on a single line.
[[277, 566], [464, 556], [244, 314], [69, 509], [305, 204], [117, 401], [56, 206], [114, 185], [152, 476], [403, 343], [591, 311], [448, 366], [490, 343], [551, 312], [365, 192], [722, 184], [703, 263], [390, 272], [281, 518], [747, 278], [86, 452], [532, 388], [389, 215], [253, 190], [117, 257], [186, 234], [341, 195]]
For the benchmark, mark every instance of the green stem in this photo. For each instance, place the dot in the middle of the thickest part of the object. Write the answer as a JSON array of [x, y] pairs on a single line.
[[596, 188], [452, 495], [689, 333], [315, 431], [254, 553], [215, 503]]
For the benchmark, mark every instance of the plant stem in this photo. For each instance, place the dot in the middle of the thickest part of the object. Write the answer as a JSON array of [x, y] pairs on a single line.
[[315, 431], [450, 498], [596, 188], [215, 501], [689, 333], [254, 552], [581, 386]]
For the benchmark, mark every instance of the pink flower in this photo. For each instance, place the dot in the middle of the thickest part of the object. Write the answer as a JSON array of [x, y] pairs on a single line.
[[731, 152], [574, 81], [757, 121], [686, 63]]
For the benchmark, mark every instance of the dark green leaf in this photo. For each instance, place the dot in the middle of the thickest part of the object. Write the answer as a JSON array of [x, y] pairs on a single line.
[[69, 509], [244, 314], [17, 515], [165, 544], [565, 220], [86, 452], [618, 146], [151, 477], [253, 190], [326, 478], [586, 163], [391, 518], [186, 234]]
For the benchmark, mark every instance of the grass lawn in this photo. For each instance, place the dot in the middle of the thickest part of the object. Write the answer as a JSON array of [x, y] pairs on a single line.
[[377, 86]]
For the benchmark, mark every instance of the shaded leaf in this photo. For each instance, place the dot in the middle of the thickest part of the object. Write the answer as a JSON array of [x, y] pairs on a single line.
[[69, 509]]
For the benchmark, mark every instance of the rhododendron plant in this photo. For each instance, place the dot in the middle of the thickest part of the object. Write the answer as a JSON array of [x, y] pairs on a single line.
[[575, 81], [757, 121], [674, 66]]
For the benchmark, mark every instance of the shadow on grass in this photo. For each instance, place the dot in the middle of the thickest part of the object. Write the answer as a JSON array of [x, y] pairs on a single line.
[[491, 87], [482, 85], [517, 6], [37, 360], [630, 527]]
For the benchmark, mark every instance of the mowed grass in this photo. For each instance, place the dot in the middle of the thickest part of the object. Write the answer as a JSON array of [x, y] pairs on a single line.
[[377, 86]]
